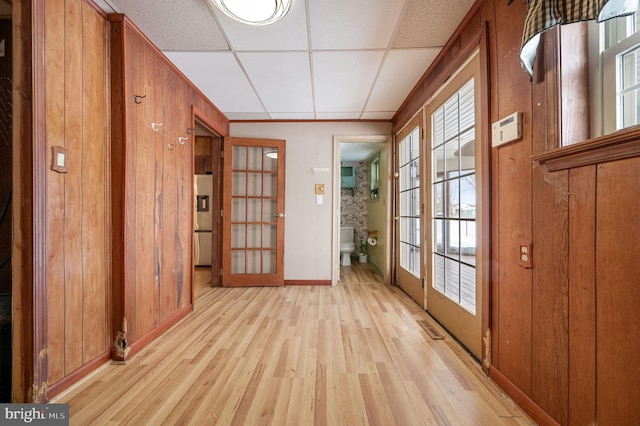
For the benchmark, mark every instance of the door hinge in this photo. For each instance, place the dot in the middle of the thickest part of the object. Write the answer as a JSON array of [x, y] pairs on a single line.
[[423, 283], [220, 271], [221, 213], [221, 154]]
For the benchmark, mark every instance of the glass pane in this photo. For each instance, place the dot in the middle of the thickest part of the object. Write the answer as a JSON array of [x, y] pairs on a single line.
[[270, 185], [630, 103], [629, 66], [270, 159], [268, 262], [238, 209], [468, 197], [255, 158], [438, 163], [453, 190], [468, 288], [254, 237], [451, 118], [438, 201], [467, 107], [255, 184], [269, 209], [467, 152], [237, 262], [414, 231], [238, 236], [438, 273], [253, 262], [240, 157], [451, 163], [239, 184], [269, 237], [452, 281], [438, 234], [437, 125], [468, 242], [453, 239], [254, 212]]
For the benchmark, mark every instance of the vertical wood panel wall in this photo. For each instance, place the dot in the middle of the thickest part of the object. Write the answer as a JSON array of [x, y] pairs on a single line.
[[563, 339], [77, 201], [152, 177]]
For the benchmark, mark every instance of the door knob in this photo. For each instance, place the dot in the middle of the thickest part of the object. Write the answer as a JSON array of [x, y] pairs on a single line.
[[278, 215]]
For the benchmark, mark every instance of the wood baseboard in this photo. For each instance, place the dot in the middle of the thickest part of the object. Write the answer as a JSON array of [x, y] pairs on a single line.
[[159, 330], [307, 282], [67, 381], [522, 399]]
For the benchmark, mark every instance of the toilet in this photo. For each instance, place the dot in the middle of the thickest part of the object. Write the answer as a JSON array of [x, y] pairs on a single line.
[[347, 246]]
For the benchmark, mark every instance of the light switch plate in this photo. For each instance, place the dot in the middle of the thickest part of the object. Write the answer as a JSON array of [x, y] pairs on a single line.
[[58, 159]]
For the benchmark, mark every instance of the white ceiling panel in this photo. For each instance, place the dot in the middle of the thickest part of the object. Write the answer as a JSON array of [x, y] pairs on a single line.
[[282, 79], [354, 24], [175, 25], [389, 91], [326, 60], [429, 23], [288, 34], [220, 78], [343, 79]]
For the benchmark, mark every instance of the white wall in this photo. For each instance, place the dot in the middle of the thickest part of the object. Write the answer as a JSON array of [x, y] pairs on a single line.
[[308, 233]]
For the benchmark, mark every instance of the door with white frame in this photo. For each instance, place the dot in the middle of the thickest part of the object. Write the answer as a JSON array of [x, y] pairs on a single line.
[[455, 184]]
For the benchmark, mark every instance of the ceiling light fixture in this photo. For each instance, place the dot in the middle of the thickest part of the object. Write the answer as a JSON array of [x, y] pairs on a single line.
[[254, 12]]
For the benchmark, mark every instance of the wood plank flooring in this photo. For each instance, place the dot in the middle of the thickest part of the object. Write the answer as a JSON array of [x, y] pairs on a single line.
[[344, 355]]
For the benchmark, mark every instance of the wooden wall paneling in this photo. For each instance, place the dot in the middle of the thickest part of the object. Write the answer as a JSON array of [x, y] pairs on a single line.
[[146, 307], [582, 296], [116, 172], [73, 221], [160, 77], [618, 292], [185, 248], [170, 196], [54, 59], [6, 65], [513, 188], [550, 293], [134, 87], [94, 189]]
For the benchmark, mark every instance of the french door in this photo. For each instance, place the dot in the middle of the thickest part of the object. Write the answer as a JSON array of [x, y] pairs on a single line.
[[456, 184], [253, 212], [409, 209]]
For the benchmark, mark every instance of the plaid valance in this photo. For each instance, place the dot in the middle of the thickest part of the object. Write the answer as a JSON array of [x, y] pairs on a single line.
[[544, 14]]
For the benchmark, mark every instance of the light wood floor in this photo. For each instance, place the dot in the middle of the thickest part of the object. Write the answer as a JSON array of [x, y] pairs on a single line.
[[345, 355]]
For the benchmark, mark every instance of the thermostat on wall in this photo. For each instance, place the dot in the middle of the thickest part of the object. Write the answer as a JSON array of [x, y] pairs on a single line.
[[507, 130]]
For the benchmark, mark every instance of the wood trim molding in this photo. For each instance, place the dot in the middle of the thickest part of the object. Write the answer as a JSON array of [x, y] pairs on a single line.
[[159, 330], [307, 282], [522, 399], [616, 146], [82, 372]]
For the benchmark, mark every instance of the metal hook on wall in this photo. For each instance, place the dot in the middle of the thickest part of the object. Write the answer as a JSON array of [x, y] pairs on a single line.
[[156, 126], [182, 140], [170, 146], [136, 97], [190, 129]]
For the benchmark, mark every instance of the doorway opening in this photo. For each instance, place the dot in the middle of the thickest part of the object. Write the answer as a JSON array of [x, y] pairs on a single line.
[[207, 205], [362, 200]]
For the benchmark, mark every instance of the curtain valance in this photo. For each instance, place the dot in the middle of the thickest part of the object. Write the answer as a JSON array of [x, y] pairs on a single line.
[[545, 14]]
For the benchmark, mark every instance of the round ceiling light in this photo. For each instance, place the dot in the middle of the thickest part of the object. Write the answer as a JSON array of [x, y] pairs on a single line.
[[254, 12]]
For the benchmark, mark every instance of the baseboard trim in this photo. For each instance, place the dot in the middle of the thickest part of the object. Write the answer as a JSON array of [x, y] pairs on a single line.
[[307, 282], [74, 377], [159, 330], [522, 399]]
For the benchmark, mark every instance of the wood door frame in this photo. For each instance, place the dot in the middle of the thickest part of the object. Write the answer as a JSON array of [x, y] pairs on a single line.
[[199, 118]]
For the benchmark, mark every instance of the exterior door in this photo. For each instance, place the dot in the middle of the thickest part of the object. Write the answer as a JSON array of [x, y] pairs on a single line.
[[456, 184], [409, 220], [253, 212]]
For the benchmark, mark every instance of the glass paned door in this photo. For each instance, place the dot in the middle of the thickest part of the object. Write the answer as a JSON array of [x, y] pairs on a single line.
[[253, 214], [409, 215]]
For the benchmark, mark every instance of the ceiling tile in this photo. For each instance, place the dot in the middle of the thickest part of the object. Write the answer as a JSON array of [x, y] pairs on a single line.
[[292, 115], [342, 80], [389, 91], [337, 115], [354, 24], [176, 25], [220, 78], [282, 79], [429, 25], [378, 115], [290, 33]]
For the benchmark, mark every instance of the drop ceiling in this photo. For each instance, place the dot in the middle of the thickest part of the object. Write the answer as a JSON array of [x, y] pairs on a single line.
[[326, 60]]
